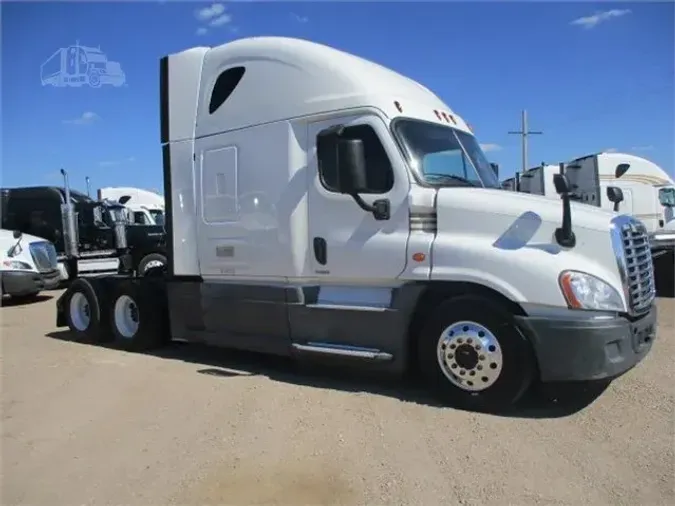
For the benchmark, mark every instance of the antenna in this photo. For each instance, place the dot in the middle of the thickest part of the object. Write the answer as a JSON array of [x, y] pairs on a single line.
[[524, 132], [86, 179]]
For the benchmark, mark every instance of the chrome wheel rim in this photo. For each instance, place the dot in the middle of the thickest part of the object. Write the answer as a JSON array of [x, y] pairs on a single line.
[[126, 316], [151, 264], [80, 314], [470, 356]]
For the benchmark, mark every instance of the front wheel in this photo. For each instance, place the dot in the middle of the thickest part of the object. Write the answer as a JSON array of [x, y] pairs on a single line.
[[150, 261], [472, 354]]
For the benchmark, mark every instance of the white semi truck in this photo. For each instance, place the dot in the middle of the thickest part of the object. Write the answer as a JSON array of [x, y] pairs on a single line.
[[322, 206], [28, 265], [647, 191], [146, 207]]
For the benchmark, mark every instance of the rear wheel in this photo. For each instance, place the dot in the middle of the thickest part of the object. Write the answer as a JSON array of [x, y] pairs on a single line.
[[83, 312], [472, 354], [138, 317]]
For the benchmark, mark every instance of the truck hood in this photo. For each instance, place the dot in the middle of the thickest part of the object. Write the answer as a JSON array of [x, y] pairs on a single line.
[[506, 241], [140, 235], [488, 205], [7, 237]]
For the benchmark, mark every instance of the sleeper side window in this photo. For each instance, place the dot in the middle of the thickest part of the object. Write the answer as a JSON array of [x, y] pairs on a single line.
[[379, 172], [225, 84]]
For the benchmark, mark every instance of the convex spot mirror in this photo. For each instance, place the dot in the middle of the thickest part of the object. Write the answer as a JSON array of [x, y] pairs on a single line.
[[614, 194], [561, 183]]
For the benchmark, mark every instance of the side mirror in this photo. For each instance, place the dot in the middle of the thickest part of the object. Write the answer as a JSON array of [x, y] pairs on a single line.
[[351, 162], [17, 234], [495, 169], [561, 183], [615, 195]]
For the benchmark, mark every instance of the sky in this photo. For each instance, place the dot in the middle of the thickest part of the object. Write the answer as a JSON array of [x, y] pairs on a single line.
[[592, 76]]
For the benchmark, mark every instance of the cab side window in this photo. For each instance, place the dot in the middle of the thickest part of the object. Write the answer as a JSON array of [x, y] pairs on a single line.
[[140, 218], [379, 172]]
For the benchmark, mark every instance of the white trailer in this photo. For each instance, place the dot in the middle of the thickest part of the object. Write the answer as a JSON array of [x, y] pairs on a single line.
[[322, 206]]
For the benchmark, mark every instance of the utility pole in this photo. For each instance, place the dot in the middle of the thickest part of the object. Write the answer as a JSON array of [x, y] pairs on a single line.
[[524, 132]]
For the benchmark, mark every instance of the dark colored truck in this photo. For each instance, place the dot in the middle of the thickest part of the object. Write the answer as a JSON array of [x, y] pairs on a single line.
[[101, 235]]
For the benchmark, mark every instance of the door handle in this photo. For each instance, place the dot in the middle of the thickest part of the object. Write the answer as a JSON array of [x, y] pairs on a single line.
[[320, 250]]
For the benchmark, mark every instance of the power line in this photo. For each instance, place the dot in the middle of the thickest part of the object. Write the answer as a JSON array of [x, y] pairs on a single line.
[[524, 133]]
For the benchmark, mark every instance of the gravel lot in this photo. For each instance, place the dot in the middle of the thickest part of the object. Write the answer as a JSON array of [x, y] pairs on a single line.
[[84, 424]]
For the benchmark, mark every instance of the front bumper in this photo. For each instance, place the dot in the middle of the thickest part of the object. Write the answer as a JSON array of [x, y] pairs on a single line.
[[660, 241], [51, 279], [572, 345], [19, 283]]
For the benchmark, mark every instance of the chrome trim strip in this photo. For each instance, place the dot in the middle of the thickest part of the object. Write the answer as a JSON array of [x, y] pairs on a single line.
[[423, 221], [343, 307], [343, 350]]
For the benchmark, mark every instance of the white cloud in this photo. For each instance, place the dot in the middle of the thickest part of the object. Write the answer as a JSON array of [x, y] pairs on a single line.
[[610, 150], [214, 15], [299, 18], [207, 13], [114, 163], [221, 20], [87, 118], [589, 22], [490, 147], [642, 148]]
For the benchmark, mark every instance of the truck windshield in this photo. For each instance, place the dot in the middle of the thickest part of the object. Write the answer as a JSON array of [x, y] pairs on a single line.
[[667, 197], [115, 215], [445, 156], [158, 216]]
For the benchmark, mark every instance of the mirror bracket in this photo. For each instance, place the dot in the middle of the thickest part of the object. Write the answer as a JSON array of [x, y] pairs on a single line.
[[381, 209]]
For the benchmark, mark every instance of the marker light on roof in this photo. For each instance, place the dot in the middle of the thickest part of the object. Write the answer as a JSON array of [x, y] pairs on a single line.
[[398, 106]]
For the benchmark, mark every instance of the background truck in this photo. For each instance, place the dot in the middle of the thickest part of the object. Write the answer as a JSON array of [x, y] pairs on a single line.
[[369, 230], [146, 207], [78, 65], [95, 240], [647, 192], [28, 265]]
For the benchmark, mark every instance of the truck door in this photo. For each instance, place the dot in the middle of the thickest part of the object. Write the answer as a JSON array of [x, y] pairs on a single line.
[[348, 243]]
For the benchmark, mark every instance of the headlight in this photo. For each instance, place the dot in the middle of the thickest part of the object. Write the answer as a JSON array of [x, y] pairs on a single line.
[[15, 264], [583, 291]]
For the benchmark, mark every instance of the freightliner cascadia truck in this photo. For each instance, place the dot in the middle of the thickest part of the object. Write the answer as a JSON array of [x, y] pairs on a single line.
[[321, 206]]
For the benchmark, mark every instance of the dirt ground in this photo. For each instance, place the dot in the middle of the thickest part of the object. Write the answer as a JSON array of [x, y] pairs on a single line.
[[85, 424]]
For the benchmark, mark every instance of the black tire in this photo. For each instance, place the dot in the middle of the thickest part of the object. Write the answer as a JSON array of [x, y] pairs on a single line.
[[152, 257], [517, 360], [145, 306], [97, 329]]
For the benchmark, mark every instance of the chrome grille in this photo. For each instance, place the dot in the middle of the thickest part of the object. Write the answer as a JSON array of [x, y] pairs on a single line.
[[423, 222], [44, 255], [635, 262]]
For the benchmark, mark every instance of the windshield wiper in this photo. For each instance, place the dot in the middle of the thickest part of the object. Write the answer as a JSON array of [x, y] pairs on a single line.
[[450, 177]]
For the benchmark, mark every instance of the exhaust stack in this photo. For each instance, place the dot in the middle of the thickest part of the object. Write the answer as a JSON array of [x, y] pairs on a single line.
[[68, 219]]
